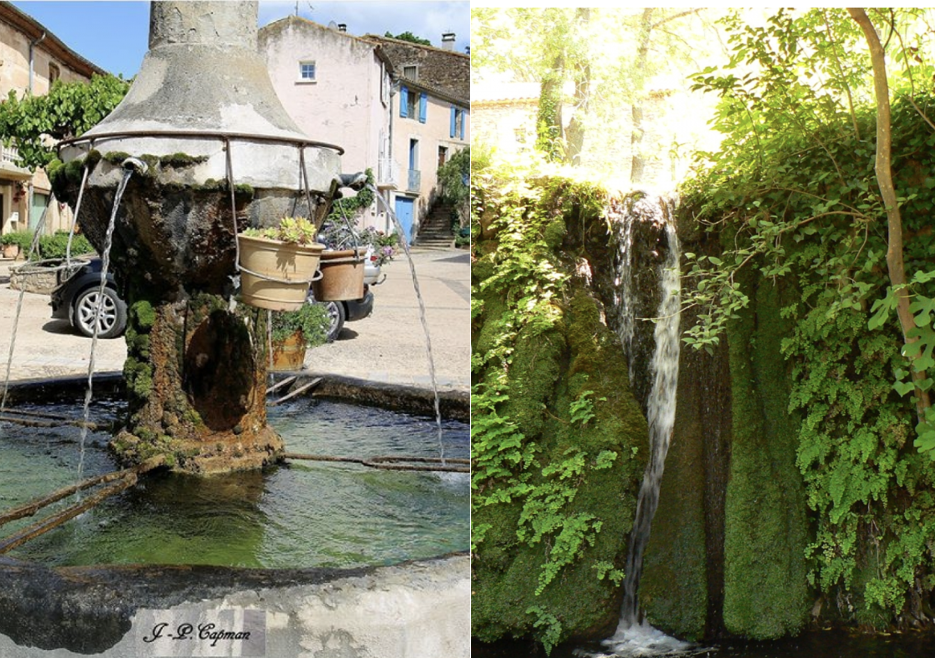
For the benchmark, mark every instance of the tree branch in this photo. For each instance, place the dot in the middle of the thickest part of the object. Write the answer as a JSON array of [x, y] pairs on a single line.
[[883, 167]]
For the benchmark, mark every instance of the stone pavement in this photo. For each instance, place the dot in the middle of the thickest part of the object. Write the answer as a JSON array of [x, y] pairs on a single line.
[[387, 347]]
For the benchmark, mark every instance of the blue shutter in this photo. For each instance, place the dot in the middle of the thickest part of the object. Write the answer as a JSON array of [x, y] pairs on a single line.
[[453, 115], [423, 106], [464, 116], [403, 102]]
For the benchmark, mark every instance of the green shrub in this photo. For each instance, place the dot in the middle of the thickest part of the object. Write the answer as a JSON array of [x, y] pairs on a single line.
[[56, 245], [21, 238], [311, 319]]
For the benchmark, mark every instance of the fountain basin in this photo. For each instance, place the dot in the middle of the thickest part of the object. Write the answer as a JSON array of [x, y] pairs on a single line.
[[410, 610], [309, 604]]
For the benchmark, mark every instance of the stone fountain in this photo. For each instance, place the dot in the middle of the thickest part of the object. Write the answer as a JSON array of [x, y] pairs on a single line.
[[212, 151]]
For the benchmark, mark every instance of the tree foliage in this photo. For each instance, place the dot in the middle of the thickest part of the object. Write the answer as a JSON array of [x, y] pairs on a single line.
[[607, 55], [410, 37], [794, 192], [31, 123]]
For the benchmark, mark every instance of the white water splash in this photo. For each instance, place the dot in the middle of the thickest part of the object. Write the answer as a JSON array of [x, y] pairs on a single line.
[[644, 640]]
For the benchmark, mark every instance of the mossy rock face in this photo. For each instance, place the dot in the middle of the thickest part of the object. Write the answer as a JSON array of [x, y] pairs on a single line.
[[766, 529], [546, 375]]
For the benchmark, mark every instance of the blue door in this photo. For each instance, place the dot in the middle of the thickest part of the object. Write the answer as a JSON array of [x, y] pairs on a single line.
[[404, 212]]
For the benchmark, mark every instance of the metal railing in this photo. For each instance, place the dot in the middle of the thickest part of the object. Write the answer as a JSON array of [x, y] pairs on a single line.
[[414, 182], [9, 154]]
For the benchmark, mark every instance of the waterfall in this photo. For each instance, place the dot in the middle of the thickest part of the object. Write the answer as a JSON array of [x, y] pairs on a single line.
[[663, 373]]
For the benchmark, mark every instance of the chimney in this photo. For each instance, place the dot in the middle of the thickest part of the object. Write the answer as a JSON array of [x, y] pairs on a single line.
[[448, 41], [342, 27]]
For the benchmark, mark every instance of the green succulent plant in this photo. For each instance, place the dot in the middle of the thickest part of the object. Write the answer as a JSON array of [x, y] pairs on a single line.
[[295, 230]]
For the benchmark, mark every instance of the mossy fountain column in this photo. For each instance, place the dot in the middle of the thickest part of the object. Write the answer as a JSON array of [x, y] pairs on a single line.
[[203, 117]]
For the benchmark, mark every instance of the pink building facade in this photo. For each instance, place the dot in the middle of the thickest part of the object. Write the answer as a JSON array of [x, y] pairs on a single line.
[[349, 91]]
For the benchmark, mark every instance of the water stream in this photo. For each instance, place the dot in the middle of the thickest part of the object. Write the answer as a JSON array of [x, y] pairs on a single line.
[[33, 249], [105, 267], [632, 637], [425, 327]]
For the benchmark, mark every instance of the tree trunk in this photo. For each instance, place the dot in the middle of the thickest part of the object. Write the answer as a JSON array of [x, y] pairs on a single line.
[[894, 252], [549, 117], [576, 130], [637, 162]]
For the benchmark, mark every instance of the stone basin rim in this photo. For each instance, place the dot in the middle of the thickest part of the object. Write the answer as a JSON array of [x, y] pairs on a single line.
[[455, 403], [90, 609]]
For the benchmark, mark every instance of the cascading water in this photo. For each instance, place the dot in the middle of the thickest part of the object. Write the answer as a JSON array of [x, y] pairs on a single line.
[[632, 638]]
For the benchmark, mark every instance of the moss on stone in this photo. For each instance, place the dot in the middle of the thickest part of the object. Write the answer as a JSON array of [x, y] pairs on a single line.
[[139, 377], [766, 532], [179, 160], [142, 315], [115, 157], [548, 372], [554, 233]]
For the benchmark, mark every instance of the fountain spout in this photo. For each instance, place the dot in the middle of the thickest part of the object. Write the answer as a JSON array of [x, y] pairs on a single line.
[[135, 164]]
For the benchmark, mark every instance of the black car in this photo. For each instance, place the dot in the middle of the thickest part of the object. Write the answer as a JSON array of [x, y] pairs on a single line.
[[76, 299]]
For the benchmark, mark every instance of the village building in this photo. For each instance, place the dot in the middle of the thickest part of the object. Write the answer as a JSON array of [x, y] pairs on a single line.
[[431, 113], [31, 59], [354, 92]]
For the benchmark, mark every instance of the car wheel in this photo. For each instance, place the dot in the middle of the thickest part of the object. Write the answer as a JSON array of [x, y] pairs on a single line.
[[113, 316], [336, 317]]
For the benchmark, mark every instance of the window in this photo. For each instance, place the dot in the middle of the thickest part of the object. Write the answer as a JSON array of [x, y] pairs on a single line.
[[413, 153], [307, 71], [54, 73], [442, 156], [413, 105], [411, 73], [457, 122]]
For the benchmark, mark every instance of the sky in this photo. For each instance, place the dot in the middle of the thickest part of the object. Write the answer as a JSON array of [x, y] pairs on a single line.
[[114, 34]]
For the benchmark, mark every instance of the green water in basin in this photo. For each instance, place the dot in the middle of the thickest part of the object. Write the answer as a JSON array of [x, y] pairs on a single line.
[[306, 514]]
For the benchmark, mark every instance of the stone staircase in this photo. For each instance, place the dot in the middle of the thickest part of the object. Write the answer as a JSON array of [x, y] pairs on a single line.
[[435, 231]]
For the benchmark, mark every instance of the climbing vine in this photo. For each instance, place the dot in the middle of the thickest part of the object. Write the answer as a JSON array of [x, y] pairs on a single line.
[[793, 193]]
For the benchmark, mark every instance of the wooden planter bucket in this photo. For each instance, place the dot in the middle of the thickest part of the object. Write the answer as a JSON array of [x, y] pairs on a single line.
[[275, 275], [288, 355], [342, 275]]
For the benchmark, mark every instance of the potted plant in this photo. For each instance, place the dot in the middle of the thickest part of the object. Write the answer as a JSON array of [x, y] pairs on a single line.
[[342, 263], [293, 332], [277, 264], [15, 243]]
